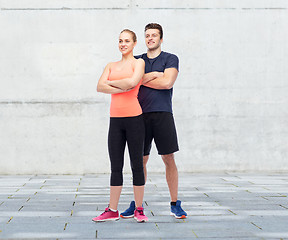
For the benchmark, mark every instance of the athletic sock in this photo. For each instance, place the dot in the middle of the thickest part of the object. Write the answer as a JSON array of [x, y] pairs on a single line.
[[173, 203], [112, 210]]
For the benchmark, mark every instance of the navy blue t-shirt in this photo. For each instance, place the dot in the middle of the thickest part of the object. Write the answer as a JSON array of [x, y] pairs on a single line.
[[157, 100]]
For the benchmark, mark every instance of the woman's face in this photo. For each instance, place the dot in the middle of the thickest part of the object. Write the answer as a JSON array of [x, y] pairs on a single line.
[[126, 43]]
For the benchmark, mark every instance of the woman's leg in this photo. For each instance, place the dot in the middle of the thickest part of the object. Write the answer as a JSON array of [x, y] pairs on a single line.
[[138, 195], [116, 147], [135, 132], [115, 192]]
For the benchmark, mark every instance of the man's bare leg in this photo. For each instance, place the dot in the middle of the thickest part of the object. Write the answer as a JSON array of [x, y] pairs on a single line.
[[145, 161], [171, 175]]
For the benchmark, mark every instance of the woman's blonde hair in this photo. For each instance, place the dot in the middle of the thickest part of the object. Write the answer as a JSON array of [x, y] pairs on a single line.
[[132, 33]]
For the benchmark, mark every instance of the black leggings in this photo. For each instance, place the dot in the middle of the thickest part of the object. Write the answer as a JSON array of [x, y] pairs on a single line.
[[132, 131]]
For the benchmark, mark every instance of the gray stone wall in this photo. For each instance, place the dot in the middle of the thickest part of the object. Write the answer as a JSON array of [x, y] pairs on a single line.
[[230, 99]]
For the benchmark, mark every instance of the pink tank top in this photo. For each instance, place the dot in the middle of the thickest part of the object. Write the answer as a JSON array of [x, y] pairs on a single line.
[[124, 104]]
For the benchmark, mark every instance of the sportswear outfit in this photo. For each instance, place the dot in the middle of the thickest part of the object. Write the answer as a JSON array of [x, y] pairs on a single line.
[[126, 126], [156, 105]]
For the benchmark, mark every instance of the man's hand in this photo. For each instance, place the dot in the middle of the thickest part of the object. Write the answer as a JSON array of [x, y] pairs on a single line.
[[151, 76], [159, 80]]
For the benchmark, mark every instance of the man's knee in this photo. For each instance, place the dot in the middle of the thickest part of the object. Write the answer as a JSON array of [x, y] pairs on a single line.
[[168, 159]]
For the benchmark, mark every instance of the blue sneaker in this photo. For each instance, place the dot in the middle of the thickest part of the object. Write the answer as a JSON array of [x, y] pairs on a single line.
[[177, 210], [129, 212]]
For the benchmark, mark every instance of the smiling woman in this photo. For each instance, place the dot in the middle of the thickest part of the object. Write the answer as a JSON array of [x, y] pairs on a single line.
[[134, 37], [126, 44], [122, 80]]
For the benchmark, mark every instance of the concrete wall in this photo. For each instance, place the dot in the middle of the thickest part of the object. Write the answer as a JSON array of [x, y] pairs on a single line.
[[230, 99]]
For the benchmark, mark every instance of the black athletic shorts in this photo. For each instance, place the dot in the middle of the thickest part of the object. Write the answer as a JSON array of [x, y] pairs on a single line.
[[160, 126]]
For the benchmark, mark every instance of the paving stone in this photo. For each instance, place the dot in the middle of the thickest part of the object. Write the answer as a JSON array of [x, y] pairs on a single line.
[[119, 229], [219, 206], [36, 230], [271, 223]]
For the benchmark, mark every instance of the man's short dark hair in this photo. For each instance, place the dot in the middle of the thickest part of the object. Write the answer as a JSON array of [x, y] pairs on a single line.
[[155, 26]]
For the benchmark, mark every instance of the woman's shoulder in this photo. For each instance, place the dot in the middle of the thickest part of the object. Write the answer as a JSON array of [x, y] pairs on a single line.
[[139, 61]]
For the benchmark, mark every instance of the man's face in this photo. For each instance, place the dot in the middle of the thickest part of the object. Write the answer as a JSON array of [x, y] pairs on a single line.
[[152, 39]]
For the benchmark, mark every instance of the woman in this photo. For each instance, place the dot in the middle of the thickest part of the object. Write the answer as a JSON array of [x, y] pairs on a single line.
[[122, 80]]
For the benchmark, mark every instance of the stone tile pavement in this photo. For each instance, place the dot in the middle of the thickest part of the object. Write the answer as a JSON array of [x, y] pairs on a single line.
[[219, 206]]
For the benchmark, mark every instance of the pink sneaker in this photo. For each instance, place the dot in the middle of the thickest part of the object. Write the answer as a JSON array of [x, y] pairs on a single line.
[[139, 215], [108, 215]]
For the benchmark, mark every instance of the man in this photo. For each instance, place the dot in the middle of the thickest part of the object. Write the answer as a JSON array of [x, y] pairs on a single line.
[[155, 97]]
